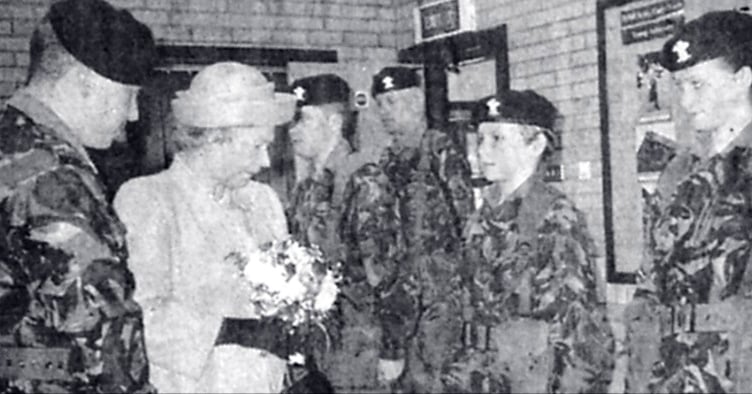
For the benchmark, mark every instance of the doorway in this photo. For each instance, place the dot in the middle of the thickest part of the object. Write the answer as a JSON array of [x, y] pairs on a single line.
[[148, 147]]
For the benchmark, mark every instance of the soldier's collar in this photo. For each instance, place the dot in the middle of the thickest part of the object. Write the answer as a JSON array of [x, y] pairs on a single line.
[[492, 194], [334, 159], [528, 205], [743, 140], [42, 115]]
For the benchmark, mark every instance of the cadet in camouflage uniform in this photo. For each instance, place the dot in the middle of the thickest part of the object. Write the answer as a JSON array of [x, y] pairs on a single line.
[[533, 321], [320, 139], [68, 322], [688, 326], [320, 136], [402, 226]]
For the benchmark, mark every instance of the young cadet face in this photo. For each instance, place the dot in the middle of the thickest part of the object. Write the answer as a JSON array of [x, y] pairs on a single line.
[[401, 111], [711, 93], [503, 150], [313, 131]]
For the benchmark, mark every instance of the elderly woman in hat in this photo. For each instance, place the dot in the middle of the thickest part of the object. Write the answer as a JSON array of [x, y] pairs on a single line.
[[533, 322], [184, 222]]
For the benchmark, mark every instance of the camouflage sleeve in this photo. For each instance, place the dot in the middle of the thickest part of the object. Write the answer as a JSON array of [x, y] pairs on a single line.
[[453, 169], [371, 231], [456, 177], [310, 216], [66, 250], [62, 232], [370, 226], [564, 291], [646, 279]]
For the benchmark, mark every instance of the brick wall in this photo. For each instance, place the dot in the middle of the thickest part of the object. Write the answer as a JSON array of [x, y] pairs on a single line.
[[552, 49], [360, 30]]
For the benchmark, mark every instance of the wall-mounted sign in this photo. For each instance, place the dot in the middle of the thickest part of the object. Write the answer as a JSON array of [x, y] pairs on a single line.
[[360, 99], [651, 21], [443, 18]]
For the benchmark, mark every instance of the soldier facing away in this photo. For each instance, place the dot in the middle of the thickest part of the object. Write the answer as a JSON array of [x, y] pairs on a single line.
[[688, 326], [402, 226], [68, 321]]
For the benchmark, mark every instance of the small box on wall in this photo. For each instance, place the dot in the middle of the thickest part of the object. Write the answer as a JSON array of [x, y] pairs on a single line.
[[443, 18]]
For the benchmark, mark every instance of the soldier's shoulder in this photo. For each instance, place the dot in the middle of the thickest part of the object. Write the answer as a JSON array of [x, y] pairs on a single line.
[[679, 167], [23, 154], [18, 132], [439, 140], [559, 209], [549, 196], [740, 161]]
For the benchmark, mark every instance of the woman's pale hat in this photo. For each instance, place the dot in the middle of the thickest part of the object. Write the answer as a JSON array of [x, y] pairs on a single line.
[[230, 94]]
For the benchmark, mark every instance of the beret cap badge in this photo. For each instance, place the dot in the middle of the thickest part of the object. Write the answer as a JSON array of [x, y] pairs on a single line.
[[394, 78], [388, 82], [493, 107], [681, 49], [320, 89], [715, 34], [300, 93]]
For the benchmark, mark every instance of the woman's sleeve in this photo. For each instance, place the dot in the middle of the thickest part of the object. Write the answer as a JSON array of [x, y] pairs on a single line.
[[178, 336], [278, 221], [143, 214]]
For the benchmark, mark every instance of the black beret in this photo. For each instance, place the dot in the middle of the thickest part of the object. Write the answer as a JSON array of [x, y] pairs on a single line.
[[521, 107], [394, 78], [321, 89], [710, 36], [107, 40]]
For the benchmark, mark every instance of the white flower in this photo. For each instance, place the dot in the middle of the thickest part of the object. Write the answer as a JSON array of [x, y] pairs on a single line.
[[327, 294], [293, 290], [286, 280], [296, 359]]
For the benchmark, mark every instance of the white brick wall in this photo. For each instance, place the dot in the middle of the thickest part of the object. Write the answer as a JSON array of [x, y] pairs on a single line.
[[552, 49], [360, 30]]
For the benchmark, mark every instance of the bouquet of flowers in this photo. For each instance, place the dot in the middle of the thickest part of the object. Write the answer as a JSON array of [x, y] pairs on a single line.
[[290, 281]]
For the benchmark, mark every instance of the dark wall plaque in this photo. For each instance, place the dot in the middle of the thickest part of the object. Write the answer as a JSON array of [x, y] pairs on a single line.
[[440, 18], [651, 21]]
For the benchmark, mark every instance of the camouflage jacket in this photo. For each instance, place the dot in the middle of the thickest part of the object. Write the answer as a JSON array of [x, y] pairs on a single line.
[[530, 286], [701, 237], [311, 216], [314, 204], [63, 278], [700, 244], [346, 353], [402, 222]]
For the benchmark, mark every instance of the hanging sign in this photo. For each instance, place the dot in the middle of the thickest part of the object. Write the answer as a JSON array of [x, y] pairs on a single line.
[[443, 18], [651, 21]]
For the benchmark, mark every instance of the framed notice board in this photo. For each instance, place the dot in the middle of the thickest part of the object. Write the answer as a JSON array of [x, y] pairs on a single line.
[[636, 100], [642, 124]]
